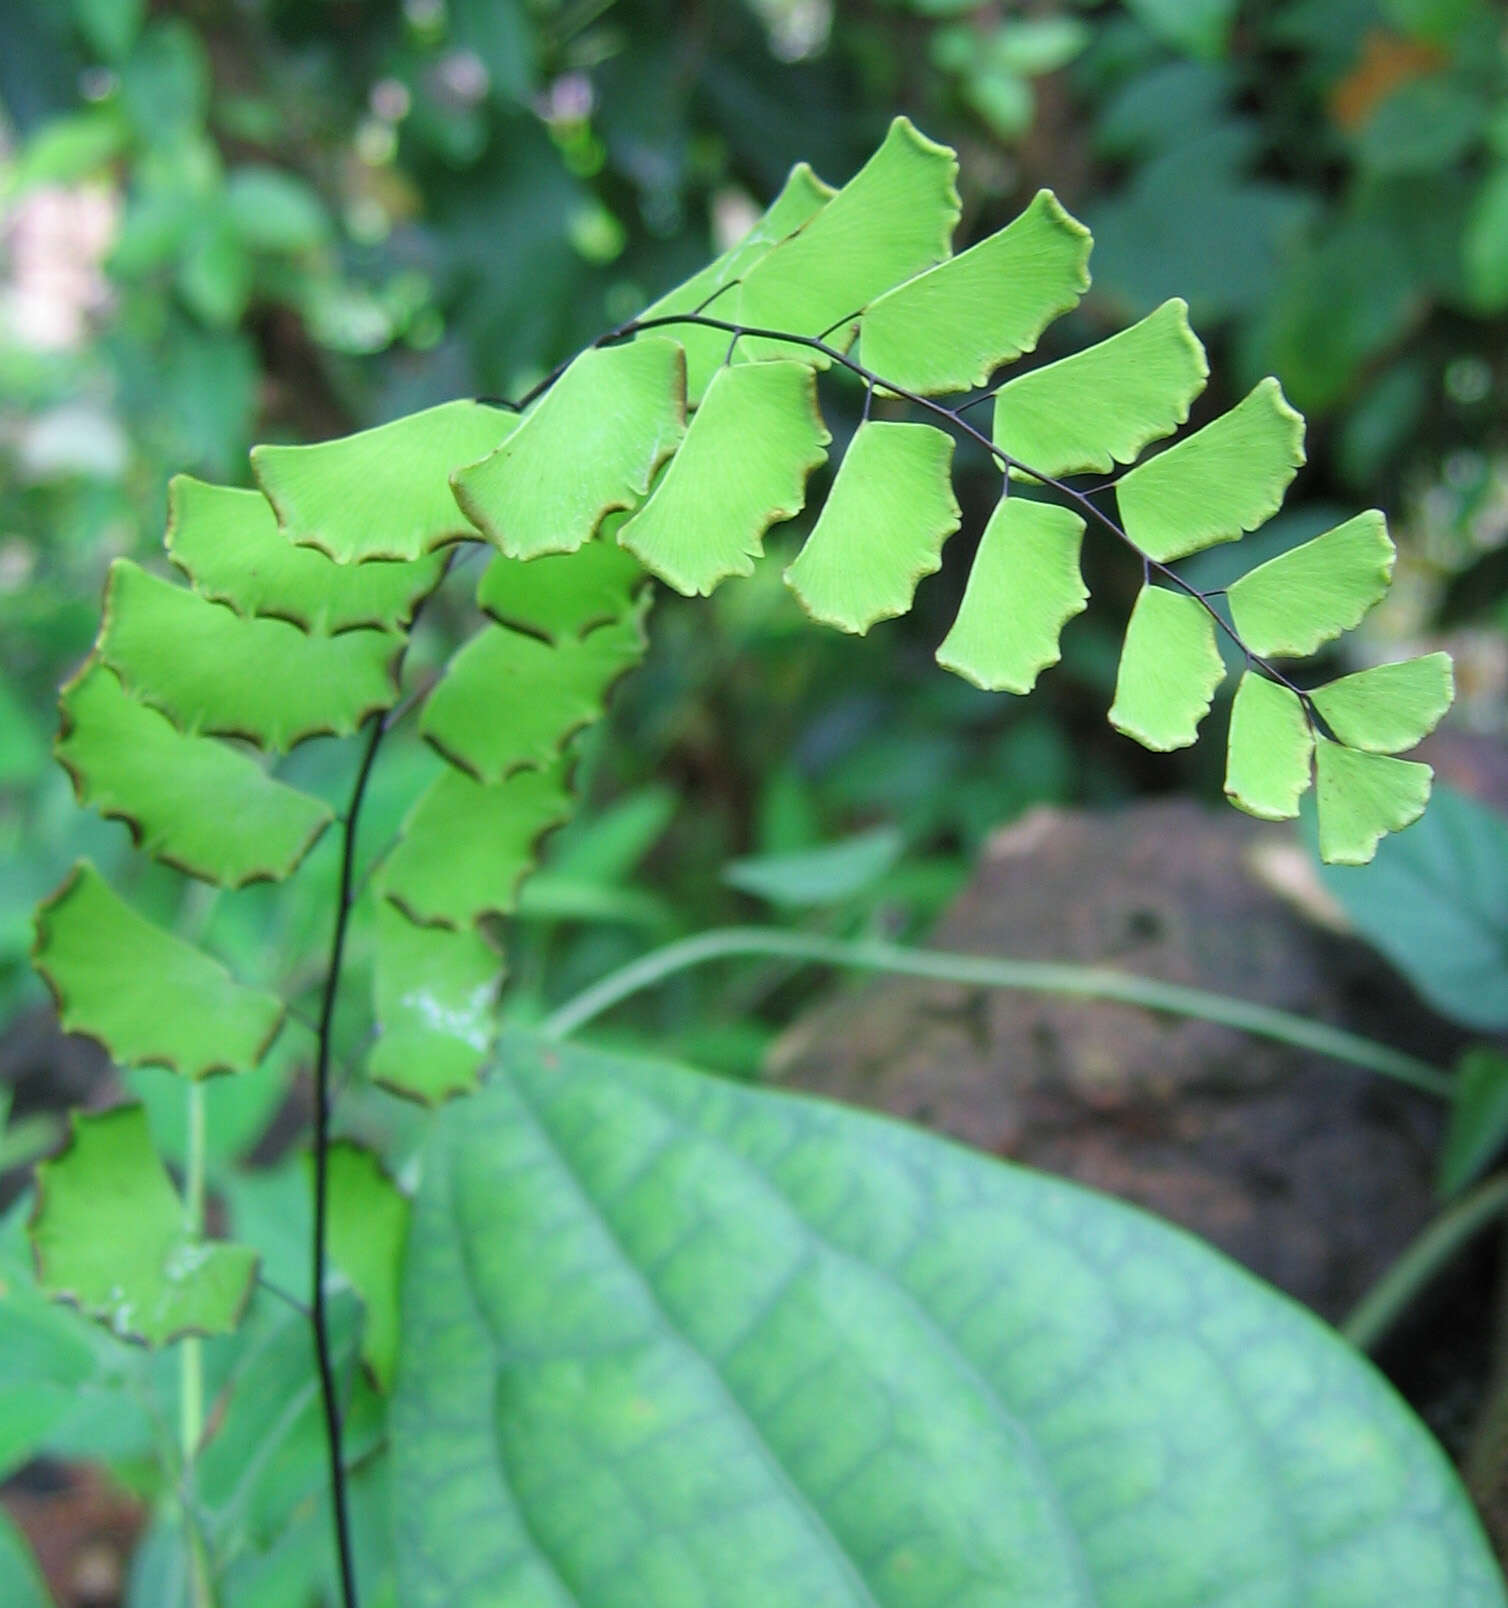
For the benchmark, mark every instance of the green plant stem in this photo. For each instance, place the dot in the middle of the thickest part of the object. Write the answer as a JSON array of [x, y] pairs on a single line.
[[191, 1359], [1082, 982], [1381, 1307], [318, 1315]]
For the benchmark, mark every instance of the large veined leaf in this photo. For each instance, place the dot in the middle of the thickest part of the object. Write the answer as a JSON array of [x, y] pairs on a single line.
[[382, 493], [434, 992], [742, 467], [150, 998], [614, 416], [466, 846], [1023, 589], [192, 802], [1169, 670], [211, 670], [1360, 797], [562, 595], [1217, 483], [668, 1339], [369, 1218], [1435, 902], [893, 219], [890, 509], [801, 197], [1271, 747], [1307, 596], [229, 545], [1390, 707], [1103, 405], [508, 700], [110, 1236], [949, 328]]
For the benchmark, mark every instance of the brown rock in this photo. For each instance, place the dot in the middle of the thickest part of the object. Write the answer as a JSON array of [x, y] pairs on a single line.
[[1313, 1173]]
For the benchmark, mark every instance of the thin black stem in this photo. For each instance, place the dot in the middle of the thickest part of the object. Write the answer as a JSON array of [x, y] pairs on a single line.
[[319, 1318]]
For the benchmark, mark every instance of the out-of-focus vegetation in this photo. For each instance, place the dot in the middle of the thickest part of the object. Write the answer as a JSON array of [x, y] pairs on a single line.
[[224, 223]]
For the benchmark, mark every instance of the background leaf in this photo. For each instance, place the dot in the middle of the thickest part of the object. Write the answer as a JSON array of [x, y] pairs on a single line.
[[783, 1352], [1435, 902]]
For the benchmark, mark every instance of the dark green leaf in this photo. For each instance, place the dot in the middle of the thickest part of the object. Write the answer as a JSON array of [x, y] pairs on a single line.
[[1478, 1118]]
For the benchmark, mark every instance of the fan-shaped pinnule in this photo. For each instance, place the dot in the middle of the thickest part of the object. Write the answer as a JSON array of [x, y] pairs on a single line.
[[384, 492], [150, 998], [1169, 669], [1270, 749], [211, 670], [889, 511], [195, 803], [109, 1235], [614, 416], [702, 523], [230, 546], [1024, 587]]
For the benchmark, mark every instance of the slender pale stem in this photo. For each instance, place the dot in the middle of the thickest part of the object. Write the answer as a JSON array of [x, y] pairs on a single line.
[[1082, 982], [191, 1360], [1381, 1307]]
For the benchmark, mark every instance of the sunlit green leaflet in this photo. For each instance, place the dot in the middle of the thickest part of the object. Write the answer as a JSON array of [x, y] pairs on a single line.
[[670, 448]]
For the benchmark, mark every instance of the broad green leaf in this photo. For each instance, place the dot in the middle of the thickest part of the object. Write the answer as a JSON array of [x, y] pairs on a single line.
[[890, 509], [191, 802], [1307, 596], [21, 1583], [590, 445], [1360, 797], [229, 545], [742, 467], [110, 1237], [1169, 670], [435, 993], [150, 998], [1023, 589], [1103, 405], [368, 1228], [1271, 748], [1222, 480], [669, 1339], [1435, 902], [382, 493], [827, 874], [466, 847], [509, 701], [893, 219], [801, 197], [210, 670], [562, 595], [951, 327], [1478, 1125], [1390, 707]]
